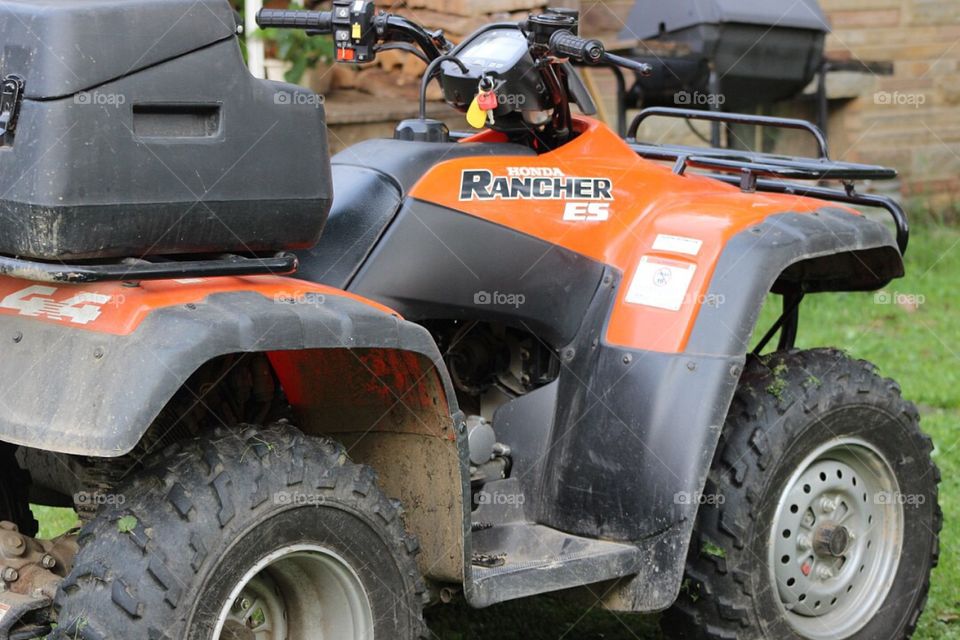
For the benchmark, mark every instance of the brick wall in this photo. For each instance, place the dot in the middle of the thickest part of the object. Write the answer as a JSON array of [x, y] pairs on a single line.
[[910, 120]]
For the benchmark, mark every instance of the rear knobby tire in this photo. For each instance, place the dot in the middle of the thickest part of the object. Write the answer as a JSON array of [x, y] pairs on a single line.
[[14, 492], [789, 407], [197, 520]]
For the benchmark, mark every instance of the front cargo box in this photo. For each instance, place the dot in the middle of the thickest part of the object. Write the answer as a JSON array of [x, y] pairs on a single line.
[[139, 131]]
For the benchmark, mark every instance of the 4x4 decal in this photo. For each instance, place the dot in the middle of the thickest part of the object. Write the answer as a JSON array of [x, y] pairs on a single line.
[[36, 301]]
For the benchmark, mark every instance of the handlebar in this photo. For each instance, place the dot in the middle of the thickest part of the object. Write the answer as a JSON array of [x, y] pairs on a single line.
[[319, 21], [360, 31], [565, 44]]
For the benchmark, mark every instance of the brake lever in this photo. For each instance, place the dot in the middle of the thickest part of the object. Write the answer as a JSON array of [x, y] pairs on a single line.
[[641, 68]]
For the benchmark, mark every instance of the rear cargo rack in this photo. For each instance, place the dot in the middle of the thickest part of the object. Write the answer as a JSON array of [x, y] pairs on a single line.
[[754, 171], [133, 270]]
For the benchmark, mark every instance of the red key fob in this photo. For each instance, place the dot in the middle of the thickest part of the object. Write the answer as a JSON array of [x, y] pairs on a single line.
[[487, 100]]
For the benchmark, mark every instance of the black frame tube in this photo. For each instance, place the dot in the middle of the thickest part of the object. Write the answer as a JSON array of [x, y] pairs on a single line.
[[280, 264], [788, 321]]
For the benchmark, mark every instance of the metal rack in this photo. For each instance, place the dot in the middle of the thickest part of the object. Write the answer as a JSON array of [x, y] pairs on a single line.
[[753, 171]]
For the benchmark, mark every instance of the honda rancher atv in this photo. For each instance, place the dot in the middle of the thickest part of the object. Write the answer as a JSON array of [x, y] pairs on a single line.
[[516, 362]]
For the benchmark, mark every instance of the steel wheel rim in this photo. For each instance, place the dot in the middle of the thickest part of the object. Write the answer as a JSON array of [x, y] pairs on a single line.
[[836, 540], [300, 592]]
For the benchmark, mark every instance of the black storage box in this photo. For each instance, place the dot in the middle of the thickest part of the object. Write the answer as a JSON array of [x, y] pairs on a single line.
[[139, 131], [761, 50]]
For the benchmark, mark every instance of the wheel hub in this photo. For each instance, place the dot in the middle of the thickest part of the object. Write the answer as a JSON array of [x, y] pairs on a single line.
[[831, 540], [303, 592], [259, 612], [835, 541], [234, 630]]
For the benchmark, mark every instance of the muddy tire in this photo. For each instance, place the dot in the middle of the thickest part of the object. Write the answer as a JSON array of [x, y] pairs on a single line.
[[14, 487], [255, 533], [825, 520]]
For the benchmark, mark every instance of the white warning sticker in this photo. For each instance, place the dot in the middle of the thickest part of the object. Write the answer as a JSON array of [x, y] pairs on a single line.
[[677, 244], [660, 284]]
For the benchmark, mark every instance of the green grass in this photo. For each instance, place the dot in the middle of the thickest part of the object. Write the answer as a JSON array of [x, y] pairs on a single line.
[[53, 521], [918, 346]]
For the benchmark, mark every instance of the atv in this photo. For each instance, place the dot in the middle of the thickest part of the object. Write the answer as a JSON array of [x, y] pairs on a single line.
[[291, 397]]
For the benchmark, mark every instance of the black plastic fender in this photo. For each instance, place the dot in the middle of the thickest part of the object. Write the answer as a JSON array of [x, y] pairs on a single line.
[[828, 250], [634, 432]]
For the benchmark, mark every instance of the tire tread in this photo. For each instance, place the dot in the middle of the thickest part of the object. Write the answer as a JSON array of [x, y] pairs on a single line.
[[717, 604], [198, 487]]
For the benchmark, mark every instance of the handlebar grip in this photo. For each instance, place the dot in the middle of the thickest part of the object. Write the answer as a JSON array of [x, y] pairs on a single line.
[[319, 21], [566, 45]]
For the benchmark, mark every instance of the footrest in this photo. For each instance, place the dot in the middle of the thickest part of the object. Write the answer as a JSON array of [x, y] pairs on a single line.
[[537, 559]]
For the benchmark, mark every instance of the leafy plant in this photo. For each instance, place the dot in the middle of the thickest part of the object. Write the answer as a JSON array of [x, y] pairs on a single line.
[[126, 524], [299, 49]]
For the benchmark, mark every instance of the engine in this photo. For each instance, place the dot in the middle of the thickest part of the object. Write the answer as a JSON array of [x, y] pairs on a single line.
[[491, 364]]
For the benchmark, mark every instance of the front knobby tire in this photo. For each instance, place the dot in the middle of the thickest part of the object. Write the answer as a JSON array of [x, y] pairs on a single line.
[[247, 534], [825, 520]]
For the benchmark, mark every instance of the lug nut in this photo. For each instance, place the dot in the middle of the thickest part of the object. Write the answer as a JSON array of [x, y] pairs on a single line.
[[447, 595], [803, 542], [48, 561], [824, 573], [827, 505], [11, 544], [10, 574]]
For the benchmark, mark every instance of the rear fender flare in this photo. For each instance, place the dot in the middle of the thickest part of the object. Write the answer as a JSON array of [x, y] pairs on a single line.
[[95, 394], [81, 392]]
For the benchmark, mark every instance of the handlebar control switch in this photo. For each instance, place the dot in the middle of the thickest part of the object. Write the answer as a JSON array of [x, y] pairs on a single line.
[[354, 34], [541, 27]]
